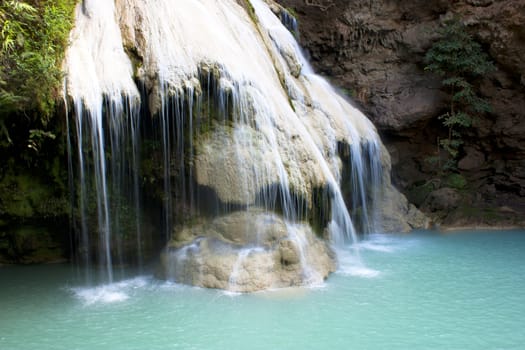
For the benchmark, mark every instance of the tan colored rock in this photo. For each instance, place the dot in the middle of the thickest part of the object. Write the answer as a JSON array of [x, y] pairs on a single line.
[[249, 163], [247, 251], [398, 215], [289, 253], [245, 167]]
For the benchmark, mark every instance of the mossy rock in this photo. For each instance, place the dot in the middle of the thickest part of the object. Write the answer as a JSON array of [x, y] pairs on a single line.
[[418, 194], [466, 215], [456, 181], [30, 244], [26, 197]]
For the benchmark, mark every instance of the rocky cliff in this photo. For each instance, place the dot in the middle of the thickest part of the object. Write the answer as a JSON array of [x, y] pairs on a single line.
[[373, 50]]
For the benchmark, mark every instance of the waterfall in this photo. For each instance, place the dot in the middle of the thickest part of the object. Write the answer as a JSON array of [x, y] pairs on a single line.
[[289, 21], [209, 109], [104, 96]]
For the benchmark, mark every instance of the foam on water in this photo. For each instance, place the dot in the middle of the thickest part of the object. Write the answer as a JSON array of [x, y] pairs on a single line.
[[280, 293], [376, 247], [101, 294], [379, 243], [110, 293], [352, 265]]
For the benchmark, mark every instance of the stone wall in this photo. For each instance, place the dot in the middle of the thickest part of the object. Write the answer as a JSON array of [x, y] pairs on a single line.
[[373, 50]]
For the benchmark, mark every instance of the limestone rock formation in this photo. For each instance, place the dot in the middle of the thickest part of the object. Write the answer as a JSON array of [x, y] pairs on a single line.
[[233, 115], [246, 251]]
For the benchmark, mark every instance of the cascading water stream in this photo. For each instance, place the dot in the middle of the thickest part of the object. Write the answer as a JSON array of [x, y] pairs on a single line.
[[309, 273], [233, 280], [239, 122], [341, 223], [289, 21], [98, 82]]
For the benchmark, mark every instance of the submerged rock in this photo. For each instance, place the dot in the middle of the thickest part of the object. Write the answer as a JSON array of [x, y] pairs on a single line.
[[247, 251]]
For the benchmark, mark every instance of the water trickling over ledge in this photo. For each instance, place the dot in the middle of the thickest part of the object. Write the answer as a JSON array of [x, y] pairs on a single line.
[[207, 113]]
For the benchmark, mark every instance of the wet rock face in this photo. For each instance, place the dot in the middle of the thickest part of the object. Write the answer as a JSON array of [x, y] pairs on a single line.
[[32, 244], [248, 164], [374, 51], [371, 49], [247, 251], [442, 199]]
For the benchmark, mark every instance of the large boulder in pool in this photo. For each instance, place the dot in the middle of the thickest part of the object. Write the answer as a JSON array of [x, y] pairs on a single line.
[[246, 251]]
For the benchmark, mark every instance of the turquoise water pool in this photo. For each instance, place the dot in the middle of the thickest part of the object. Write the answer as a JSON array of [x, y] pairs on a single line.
[[418, 291]]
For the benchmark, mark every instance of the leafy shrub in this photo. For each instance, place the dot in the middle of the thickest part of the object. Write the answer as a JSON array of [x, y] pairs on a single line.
[[33, 38], [459, 60]]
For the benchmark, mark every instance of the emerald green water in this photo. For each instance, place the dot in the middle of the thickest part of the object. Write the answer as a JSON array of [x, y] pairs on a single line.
[[419, 291]]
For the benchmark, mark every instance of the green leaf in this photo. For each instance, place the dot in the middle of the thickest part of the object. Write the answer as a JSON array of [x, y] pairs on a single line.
[[459, 60]]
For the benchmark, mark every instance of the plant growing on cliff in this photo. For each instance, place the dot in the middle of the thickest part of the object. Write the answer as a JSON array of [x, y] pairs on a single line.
[[459, 60], [33, 38]]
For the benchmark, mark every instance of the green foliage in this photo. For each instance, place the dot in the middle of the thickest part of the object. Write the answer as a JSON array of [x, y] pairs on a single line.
[[33, 38], [25, 196], [251, 11], [9, 102], [419, 193], [292, 12], [459, 60], [456, 55], [456, 181], [347, 92], [37, 137]]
